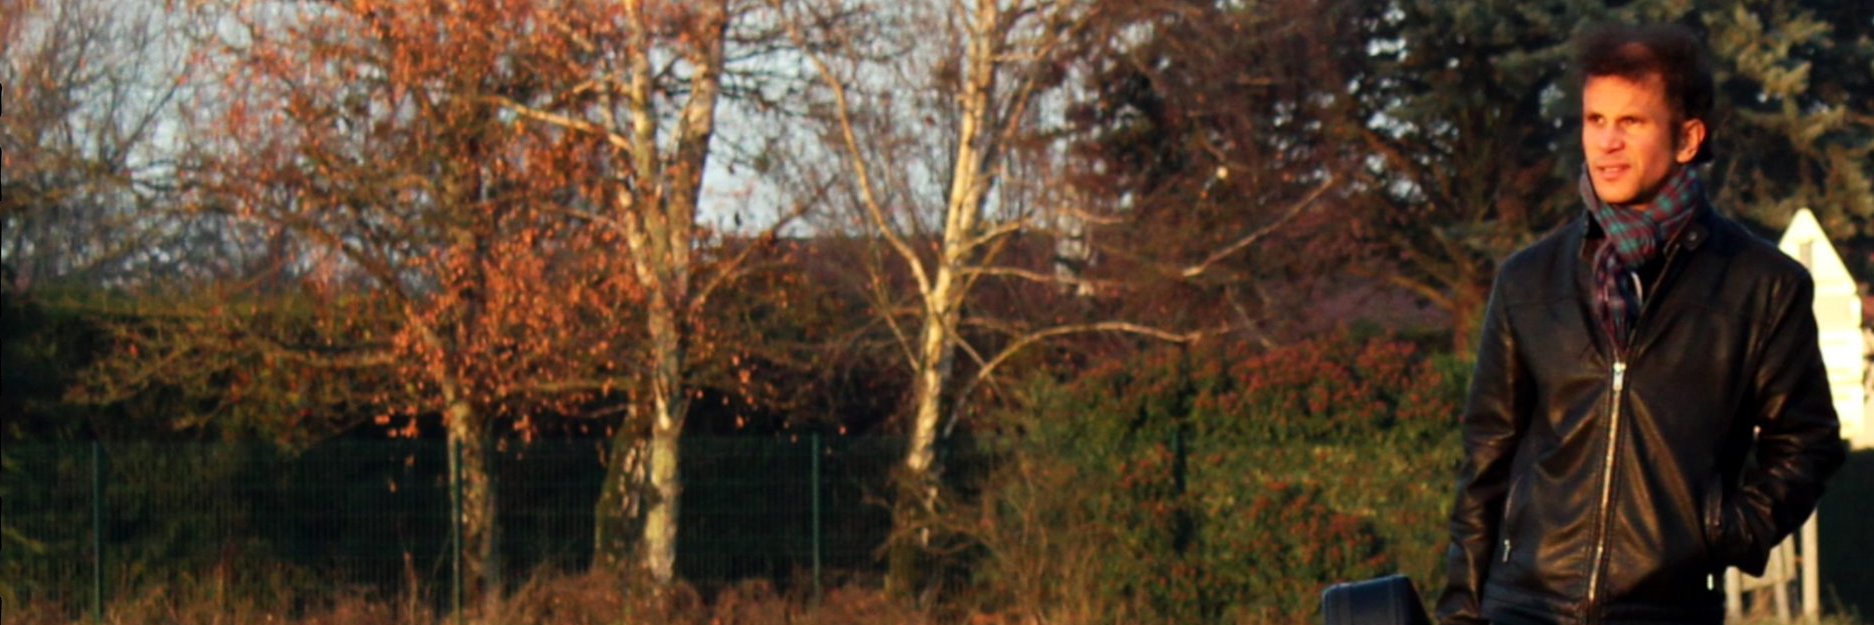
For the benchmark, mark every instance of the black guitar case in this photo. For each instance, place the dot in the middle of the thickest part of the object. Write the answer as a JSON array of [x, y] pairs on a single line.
[[1389, 600]]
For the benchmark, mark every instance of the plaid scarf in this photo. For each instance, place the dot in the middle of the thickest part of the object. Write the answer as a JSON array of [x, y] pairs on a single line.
[[1633, 237]]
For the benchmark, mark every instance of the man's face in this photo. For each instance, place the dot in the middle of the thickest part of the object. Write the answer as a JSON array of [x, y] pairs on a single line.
[[1631, 140]]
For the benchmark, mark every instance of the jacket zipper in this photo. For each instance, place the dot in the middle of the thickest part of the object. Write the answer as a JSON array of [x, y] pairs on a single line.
[[1503, 526], [1619, 384], [1607, 483]]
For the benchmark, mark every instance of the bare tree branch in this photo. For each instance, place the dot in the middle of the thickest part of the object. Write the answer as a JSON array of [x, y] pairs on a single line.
[[1036, 276], [988, 368], [562, 121], [1263, 231], [855, 156]]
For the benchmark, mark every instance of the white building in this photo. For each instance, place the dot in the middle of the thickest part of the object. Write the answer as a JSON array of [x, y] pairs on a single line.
[[1838, 317]]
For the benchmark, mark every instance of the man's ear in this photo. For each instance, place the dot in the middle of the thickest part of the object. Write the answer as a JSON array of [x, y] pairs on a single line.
[[1691, 136]]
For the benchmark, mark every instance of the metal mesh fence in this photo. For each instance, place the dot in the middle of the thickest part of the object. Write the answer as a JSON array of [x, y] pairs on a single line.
[[86, 520]]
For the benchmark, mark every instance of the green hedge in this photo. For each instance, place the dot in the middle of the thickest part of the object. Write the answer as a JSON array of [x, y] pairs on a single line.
[[1227, 483]]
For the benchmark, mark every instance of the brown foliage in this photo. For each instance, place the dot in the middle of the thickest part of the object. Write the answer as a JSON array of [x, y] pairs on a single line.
[[420, 228]]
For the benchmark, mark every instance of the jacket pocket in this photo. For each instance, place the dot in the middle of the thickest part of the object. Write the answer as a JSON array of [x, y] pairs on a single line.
[[1506, 525], [1712, 528]]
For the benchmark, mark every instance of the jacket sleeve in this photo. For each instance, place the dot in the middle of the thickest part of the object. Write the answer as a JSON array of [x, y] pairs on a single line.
[[1798, 442], [1494, 419]]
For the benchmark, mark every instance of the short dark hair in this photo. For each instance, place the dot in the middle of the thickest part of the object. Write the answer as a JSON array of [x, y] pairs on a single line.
[[1635, 51]]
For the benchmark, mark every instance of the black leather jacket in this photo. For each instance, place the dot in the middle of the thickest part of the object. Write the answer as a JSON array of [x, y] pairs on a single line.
[[1604, 487]]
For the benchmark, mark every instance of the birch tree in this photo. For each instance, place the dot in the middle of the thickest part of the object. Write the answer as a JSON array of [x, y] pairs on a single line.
[[938, 120], [639, 84]]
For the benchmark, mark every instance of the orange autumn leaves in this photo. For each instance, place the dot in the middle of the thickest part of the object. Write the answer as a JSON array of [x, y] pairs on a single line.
[[423, 212]]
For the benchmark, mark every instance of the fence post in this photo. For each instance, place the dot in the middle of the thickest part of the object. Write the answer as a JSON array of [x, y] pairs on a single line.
[[1177, 459], [816, 451], [455, 528], [97, 531], [1184, 527], [1811, 571]]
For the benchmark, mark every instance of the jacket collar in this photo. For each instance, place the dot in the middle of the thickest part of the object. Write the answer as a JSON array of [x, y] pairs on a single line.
[[1706, 226], [1588, 232]]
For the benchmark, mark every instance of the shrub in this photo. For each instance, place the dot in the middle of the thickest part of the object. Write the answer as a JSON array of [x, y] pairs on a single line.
[[1222, 483]]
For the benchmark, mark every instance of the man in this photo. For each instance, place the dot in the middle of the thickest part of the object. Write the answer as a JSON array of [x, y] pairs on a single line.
[[1629, 364]]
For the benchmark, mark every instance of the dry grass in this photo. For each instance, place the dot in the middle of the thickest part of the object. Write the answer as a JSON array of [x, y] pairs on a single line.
[[592, 598], [550, 598]]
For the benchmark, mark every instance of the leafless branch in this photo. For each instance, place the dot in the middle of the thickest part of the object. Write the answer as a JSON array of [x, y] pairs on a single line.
[[1124, 327], [562, 121], [855, 156], [1036, 276], [1263, 231], [730, 268]]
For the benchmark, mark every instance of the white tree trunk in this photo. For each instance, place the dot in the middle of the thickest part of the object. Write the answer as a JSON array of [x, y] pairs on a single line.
[[936, 357], [659, 213], [667, 410]]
